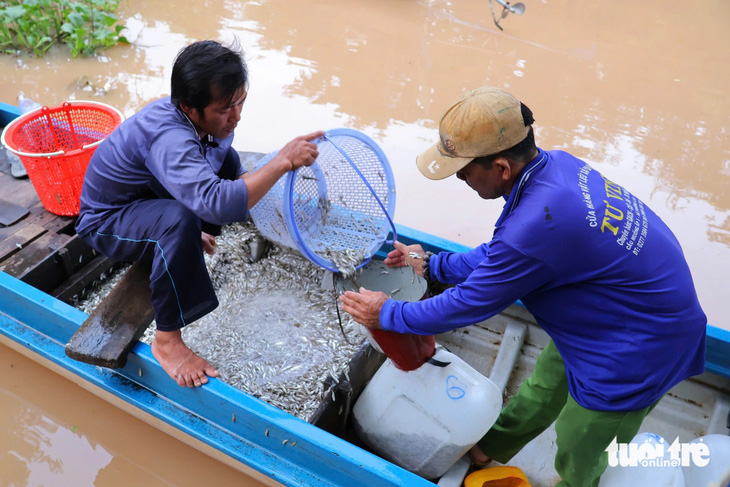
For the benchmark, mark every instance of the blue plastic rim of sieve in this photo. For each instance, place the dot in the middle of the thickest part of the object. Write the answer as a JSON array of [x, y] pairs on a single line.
[[288, 191], [387, 173], [375, 159]]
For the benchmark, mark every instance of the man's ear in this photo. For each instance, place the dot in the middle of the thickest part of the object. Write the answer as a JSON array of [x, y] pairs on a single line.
[[505, 167], [189, 111]]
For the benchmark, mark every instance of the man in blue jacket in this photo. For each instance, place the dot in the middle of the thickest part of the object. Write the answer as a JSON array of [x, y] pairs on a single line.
[[161, 185], [599, 271]]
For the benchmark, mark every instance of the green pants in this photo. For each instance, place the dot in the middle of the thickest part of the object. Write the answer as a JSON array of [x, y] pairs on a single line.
[[582, 434]]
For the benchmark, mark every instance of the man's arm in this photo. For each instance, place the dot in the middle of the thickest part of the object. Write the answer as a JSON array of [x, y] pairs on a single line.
[[502, 278], [445, 267], [183, 171], [178, 164], [297, 153], [456, 267]]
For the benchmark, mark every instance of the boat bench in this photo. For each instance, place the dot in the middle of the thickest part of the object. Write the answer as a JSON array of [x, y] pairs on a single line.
[[114, 326]]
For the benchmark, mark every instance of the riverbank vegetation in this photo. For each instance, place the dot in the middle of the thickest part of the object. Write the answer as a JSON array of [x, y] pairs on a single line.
[[34, 26]]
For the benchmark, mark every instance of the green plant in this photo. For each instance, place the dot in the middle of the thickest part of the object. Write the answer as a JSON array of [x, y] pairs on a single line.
[[36, 25]]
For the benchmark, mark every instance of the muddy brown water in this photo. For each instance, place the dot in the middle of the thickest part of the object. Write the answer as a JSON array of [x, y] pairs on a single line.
[[637, 89], [55, 434]]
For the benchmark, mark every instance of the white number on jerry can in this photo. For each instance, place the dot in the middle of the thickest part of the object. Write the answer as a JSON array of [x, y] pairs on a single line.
[[452, 388]]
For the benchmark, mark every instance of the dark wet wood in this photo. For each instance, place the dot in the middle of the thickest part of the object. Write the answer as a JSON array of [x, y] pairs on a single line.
[[40, 248], [82, 278], [111, 330], [30, 262], [11, 213], [18, 237]]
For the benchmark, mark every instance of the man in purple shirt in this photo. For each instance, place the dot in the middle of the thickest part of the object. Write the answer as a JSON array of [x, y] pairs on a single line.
[[160, 187], [600, 272]]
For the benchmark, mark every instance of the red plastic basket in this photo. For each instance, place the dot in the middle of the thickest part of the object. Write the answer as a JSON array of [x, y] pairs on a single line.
[[56, 144]]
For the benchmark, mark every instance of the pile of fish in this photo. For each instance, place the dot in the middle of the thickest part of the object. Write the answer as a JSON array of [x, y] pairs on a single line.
[[276, 333], [346, 261]]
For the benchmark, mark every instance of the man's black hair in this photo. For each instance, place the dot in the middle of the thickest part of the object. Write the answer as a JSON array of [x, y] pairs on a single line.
[[522, 151], [205, 69]]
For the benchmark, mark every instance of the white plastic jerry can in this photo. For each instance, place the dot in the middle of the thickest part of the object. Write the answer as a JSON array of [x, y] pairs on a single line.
[[708, 465], [426, 419]]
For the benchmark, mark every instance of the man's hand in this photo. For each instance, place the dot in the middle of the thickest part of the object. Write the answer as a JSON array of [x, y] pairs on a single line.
[[478, 458], [364, 307], [208, 243], [410, 255], [297, 153], [300, 151]]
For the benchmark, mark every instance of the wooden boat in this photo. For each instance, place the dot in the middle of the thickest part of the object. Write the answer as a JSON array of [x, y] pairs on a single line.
[[8, 113], [280, 449]]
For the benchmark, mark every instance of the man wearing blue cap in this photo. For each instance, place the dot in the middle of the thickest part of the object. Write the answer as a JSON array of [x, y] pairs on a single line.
[[600, 272]]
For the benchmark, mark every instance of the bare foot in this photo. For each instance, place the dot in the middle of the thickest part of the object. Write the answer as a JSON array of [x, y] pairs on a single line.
[[478, 458], [181, 363]]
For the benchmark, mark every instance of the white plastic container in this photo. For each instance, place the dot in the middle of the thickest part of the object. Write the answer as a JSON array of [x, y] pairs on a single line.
[[713, 469], [426, 419], [646, 462]]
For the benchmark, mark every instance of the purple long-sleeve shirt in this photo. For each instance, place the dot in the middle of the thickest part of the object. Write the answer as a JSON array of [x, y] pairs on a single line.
[[157, 153], [600, 272]]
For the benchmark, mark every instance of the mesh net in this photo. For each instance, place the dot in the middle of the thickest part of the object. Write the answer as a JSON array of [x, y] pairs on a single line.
[[327, 210]]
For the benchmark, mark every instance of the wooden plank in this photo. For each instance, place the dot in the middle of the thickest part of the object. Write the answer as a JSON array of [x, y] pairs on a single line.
[[15, 189], [83, 278], [5, 232], [40, 216], [62, 224], [21, 195], [10, 213], [54, 223], [111, 330], [5, 183], [66, 258], [25, 198], [20, 239], [37, 255], [6, 179]]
